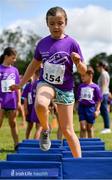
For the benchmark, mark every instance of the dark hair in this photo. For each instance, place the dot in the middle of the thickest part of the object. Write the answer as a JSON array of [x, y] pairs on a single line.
[[103, 64], [89, 67], [90, 71], [7, 51], [52, 12]]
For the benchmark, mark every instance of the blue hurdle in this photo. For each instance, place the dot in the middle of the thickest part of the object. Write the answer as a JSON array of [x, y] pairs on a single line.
[[87, 168], [89, 148], [89, 139], [30, 162], [31, 169], [85, 143], [54, 141], [36, 145], [68, 154], [35, 157], [38, 150]]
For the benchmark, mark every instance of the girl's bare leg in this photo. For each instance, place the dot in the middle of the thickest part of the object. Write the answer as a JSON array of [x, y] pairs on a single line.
[[28, 129], [13, 126], [38, 131], [43, 98], [1, 116], [83, 129], [65, 113], [90, 130]]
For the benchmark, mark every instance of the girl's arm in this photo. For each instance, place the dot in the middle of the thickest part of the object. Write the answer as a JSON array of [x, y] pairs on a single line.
[[32, 67], [25, 106], [97, 112], [18, 98], [81, 67], [103, 83]]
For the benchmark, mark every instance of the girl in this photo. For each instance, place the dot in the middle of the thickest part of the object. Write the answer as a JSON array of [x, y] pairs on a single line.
[[29, 94], [57, 52], [9, 101], [89, 100]]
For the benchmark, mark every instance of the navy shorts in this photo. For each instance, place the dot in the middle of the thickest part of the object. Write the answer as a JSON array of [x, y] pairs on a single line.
[[86, 113]]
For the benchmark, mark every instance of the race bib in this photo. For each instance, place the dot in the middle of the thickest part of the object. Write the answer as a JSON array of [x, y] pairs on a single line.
[[5, 84], [54, 73], [87, 93]]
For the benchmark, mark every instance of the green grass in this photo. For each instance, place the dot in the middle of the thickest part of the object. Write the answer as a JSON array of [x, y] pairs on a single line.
[[6, 142]]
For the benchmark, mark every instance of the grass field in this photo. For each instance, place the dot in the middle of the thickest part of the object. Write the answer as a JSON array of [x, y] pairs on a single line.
[[6, 142]]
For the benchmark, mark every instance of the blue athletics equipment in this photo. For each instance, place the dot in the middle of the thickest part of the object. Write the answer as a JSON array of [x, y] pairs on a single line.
[[30, 162]]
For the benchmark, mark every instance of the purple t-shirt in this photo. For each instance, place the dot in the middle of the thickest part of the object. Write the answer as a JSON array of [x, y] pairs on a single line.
[[57, 63], [29, 92], [88, 94], [33, 114], [8, 76]]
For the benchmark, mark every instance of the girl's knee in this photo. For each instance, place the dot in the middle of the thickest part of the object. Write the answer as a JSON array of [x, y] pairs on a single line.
[[83, 128], [67, 131], [89, 129], [12, 125], [41, 106]]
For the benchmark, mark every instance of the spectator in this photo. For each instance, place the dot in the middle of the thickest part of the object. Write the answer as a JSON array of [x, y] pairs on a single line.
[[103, 81]]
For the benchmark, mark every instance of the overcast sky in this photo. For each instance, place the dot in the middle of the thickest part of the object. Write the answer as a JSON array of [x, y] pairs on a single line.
[[89, 21]]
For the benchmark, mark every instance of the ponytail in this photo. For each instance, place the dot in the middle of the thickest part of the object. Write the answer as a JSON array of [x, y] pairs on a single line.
[[1, 58]]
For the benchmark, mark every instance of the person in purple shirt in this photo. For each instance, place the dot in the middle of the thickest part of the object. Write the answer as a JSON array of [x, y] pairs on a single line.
[[9, 101], [57, 52], [29, 94], [89, 100]]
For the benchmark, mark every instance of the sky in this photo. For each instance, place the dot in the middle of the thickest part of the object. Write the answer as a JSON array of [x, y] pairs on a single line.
[[89, 21]]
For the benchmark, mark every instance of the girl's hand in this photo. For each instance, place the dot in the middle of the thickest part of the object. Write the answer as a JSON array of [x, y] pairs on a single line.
[[14, 87], [75, 58], [97, 112], [81, 67]]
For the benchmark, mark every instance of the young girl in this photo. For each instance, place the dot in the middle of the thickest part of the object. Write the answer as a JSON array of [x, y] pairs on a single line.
[[89, 101], [9, 101], [57, 52], [29, 94]]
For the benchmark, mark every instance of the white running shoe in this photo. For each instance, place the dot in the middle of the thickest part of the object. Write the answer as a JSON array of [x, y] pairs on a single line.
[[105, 131], [45, 142]]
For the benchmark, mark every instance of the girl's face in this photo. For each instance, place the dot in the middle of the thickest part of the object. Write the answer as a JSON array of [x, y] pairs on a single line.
[[9, 60], [99, 68], [85, 78], [56, 25]]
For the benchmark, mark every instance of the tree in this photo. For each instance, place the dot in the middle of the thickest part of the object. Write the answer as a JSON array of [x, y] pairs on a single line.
[[99, 57], [24, 42]]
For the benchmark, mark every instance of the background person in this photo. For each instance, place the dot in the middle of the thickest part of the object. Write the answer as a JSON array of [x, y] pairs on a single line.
[[9, 101], [89, 100], [29, 94], [103, 82]]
